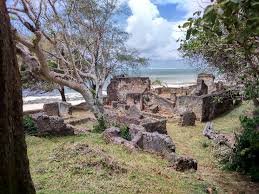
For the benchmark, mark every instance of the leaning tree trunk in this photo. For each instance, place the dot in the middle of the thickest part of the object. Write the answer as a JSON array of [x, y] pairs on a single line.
[[61, 90], [14, 165]]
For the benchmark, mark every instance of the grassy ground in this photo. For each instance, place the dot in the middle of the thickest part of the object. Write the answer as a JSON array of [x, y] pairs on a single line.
[[86, 164]]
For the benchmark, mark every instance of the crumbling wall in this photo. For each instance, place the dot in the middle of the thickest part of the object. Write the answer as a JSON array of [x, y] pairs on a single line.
[[181, 91], [119, 87], [208, 80], [205, 107], [163, 103], [135, 99]]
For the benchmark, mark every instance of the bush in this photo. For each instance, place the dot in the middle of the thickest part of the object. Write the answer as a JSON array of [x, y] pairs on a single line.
[[100, 126], [245, 156], [29, 125], [125, 134]]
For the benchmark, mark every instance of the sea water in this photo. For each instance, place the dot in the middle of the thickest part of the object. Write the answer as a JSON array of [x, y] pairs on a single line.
[[171, 77]]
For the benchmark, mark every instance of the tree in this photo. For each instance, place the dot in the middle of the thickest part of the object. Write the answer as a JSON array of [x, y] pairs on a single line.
[[85, 44], [29, 81], [226, 37], [14, 165]]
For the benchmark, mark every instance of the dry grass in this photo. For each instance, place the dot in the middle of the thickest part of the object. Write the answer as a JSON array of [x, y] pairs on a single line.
[[86, 164]]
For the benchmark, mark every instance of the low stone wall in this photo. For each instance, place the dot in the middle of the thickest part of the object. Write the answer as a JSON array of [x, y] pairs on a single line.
[[150, 124], [163, 103], [181, 91], [205, 107]]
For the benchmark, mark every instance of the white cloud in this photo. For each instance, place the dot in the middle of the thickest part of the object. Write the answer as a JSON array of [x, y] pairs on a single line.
[[153, 35]]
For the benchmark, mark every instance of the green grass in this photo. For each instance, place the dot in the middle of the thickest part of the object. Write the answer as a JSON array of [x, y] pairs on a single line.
[[59, 165]]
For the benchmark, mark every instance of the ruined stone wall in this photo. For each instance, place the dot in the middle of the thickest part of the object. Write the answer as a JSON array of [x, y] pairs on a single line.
[[119, 87], [182, 91], [208, 80], [135, 99], [205, 107], [163, 104]]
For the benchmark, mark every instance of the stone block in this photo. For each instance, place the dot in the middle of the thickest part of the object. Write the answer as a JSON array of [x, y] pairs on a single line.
[[57, 109], [51, 125], [187, 119]]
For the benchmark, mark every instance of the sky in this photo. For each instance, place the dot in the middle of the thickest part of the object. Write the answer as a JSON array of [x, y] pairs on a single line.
[[153, 27]]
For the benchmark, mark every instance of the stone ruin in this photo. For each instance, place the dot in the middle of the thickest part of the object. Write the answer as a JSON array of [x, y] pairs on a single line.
[[59, 109], [155, 143], [201, 98]]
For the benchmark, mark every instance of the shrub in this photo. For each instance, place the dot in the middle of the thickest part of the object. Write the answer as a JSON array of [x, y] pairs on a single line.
[[29, 125], [124, 132], [100, 126], [245, 157]]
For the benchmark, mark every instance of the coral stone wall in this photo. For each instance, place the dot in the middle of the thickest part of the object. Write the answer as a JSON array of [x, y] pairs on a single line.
[[182, 91], [119, 87], [205, 107], [208, 80]]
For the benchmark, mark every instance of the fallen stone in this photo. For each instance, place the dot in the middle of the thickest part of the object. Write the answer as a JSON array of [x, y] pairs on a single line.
[[154, 109], [134, 112], [187, 119], [217, 138], [183, 163], [51, 125], [160, 144]]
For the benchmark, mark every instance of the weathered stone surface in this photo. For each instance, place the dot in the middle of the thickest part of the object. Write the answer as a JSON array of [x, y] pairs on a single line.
[[135, 99], [119, 105], [182, 163], [134, 112], [112, 135], [135, 129], [163, 103], [205, 107], [157, 143], [202, 88], [217, 138], [173, 97], [154, 109], [51, 125], [208, 81], [187, 119], [119, 87], [57, 109]]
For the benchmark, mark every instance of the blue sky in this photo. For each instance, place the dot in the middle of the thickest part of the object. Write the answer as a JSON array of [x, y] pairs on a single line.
[[153, 27]]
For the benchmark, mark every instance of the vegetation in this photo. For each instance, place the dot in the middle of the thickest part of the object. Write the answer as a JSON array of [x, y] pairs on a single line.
[[62, 165], [226, 38], [124, 132], [246, 154], [100, 126], [76, 44], [29, 125]]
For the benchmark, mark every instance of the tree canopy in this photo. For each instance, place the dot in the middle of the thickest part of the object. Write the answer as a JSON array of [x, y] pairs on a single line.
[[77, 44], [226, 38]]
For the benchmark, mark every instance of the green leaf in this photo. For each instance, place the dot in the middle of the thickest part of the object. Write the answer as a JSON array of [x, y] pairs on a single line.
[[186, 24], [188, 34]]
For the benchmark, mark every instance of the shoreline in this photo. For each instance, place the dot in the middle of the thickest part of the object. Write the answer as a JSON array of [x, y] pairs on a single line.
[[36, 102]]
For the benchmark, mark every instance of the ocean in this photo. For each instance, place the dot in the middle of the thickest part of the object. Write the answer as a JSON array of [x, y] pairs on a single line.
[[171, 77]]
